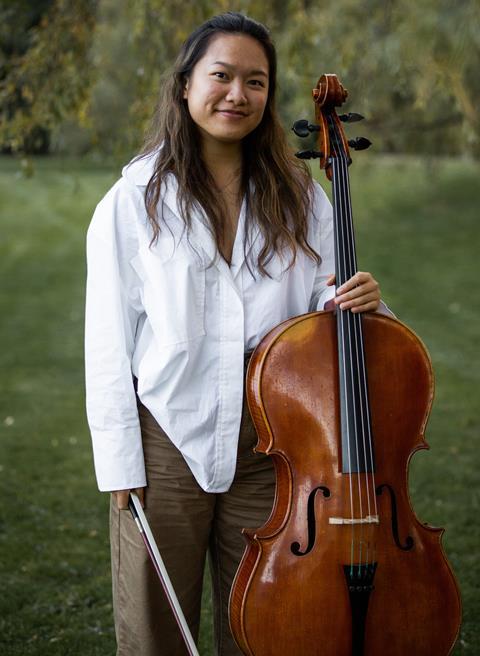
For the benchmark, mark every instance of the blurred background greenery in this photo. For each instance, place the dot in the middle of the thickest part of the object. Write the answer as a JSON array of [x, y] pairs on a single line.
[[78, 84], [82, 76]]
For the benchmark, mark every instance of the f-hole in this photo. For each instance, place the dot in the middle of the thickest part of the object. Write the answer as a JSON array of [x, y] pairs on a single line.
[[409, 542], [311, 523]]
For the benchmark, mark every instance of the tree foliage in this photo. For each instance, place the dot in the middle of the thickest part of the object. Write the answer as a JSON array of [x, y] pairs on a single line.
[[45, 71], [410, 66]]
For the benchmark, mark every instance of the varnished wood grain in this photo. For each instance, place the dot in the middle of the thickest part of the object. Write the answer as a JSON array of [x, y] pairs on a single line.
[[286, 605]]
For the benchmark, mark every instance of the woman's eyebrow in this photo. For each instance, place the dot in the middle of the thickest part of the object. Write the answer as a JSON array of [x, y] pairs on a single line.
[[256, 71]]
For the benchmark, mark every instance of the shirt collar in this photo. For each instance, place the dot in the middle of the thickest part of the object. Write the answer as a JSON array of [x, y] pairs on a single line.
[[140, 170]]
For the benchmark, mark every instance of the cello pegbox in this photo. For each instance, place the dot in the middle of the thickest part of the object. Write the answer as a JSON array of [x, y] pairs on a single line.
[[328, 94]]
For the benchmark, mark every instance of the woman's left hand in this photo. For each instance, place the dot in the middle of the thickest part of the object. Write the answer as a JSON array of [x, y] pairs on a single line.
[[361, 293]]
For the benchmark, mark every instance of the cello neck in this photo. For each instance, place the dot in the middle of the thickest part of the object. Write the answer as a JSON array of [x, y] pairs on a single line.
[[356, 434], [345, 253], [333, 150]]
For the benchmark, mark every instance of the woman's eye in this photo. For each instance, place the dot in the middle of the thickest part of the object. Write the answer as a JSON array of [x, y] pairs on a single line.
[[257, 83], [220, 74]]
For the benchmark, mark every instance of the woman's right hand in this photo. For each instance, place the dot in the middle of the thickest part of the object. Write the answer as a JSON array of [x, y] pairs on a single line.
[[121, 497]]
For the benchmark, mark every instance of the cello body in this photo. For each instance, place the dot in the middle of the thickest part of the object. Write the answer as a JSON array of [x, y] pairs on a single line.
[[284, 604], [340, 401]]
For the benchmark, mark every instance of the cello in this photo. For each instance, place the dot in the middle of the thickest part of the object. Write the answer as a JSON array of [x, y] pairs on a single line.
[[340, 401]]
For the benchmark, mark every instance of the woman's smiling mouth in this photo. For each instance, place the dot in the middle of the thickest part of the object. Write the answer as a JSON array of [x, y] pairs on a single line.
[[231, 113]]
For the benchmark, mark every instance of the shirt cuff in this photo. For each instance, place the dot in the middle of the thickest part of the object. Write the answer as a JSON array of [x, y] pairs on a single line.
[[118, 458], [384, 309], [327, 295]]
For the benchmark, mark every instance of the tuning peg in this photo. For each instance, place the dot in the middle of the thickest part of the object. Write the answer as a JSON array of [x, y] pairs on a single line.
[[308, 154], [359, 143], [302, 128], [351, 117]]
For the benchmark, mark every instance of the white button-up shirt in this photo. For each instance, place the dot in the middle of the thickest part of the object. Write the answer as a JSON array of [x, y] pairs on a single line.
[[181, 327]]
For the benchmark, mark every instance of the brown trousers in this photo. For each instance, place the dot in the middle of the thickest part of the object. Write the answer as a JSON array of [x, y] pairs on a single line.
[[187, 523]]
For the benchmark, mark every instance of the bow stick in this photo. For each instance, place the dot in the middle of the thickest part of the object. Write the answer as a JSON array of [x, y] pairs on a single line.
[[142, 524]]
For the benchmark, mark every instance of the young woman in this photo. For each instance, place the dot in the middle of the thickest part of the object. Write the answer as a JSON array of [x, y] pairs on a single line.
[[213, 236]]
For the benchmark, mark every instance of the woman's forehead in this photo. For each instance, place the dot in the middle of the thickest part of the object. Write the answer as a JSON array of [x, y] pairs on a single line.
[[237, 51]]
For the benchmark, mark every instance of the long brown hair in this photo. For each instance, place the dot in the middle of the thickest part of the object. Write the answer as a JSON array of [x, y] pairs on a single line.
[[279, 199]]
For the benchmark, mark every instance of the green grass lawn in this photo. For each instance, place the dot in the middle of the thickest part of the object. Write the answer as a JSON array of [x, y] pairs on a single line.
[[417, 230]]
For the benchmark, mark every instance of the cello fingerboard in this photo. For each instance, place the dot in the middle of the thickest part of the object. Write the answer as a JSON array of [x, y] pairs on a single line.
[[355, 422]]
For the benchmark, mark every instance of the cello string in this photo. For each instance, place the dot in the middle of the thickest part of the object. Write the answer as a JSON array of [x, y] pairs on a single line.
[[350, 400], [365, 404], [343, 322], [350, 407], [339, 264], [364, 388], [351, 319], [353, 345], [355, 327], [359, 358], [346, 318]]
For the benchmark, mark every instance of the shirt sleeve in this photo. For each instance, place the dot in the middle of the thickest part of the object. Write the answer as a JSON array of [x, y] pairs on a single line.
[[111, 317], [322, 222]]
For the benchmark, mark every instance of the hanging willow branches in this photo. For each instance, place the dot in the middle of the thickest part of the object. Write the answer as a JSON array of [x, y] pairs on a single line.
[[97, 65]]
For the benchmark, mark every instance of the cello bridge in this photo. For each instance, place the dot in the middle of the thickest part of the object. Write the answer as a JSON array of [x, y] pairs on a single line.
[[369, 519]]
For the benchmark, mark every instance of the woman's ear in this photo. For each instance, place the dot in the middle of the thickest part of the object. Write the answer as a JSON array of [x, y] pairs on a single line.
[[185, 90]]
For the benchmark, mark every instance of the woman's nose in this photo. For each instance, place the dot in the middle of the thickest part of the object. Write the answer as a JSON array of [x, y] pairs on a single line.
[[236, 93]]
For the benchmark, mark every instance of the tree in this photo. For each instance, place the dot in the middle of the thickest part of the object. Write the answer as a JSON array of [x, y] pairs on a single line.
[[410, 66], [46, 74]]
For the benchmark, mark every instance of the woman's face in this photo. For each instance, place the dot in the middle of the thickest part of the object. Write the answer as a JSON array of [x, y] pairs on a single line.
[[228, 88]]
